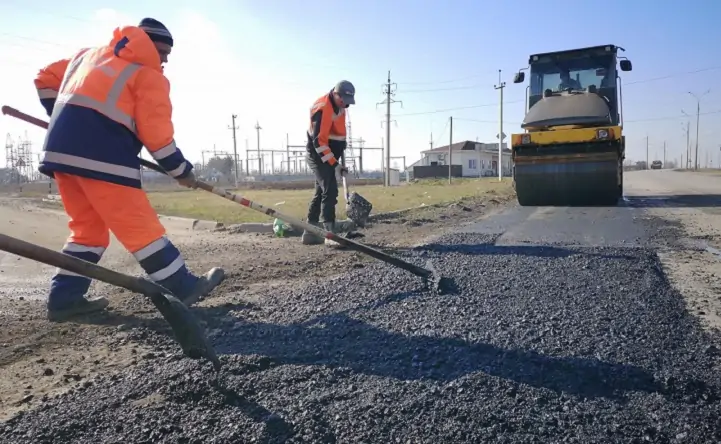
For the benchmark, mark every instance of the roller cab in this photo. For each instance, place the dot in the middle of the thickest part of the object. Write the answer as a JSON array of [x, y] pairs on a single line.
[[572, 150]]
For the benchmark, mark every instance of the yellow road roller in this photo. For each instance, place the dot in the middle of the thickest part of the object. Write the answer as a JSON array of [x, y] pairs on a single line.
[[573, 147]]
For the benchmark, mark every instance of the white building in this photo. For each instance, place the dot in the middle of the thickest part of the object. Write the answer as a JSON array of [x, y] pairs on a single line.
[[475, 158]]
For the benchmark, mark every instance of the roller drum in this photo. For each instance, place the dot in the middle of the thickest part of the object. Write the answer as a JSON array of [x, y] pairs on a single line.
[[584, 179]]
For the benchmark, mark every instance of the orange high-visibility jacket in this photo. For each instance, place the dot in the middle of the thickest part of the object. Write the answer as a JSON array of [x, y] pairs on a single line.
[[326, 133], [109, 102]]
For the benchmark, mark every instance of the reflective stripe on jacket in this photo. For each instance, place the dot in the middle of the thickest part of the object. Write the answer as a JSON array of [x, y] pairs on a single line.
[[47, 83], [327, 133], [112, 100]]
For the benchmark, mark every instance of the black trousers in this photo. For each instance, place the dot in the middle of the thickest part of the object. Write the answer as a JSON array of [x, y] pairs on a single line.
[[326, 190]]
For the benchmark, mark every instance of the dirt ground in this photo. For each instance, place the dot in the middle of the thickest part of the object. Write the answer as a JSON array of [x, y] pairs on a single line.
[[693, 201], [40, 359]]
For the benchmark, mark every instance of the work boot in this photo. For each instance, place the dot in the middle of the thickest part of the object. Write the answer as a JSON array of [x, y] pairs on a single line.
[[331, 226], [80, 307], [204, 286], [309, 238]]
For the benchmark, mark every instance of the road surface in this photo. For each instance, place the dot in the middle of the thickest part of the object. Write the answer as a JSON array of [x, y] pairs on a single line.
[[583, 325]]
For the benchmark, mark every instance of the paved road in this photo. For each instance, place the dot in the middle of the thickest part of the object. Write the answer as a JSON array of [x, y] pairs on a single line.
[[565, 326], [672, 192]]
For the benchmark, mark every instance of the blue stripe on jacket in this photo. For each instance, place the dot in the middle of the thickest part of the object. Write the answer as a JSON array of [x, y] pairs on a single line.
[[174, 161], [86, 133], [48, 104]]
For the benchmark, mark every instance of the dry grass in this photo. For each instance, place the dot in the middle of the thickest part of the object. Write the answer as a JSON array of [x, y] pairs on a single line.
[[203, 205]]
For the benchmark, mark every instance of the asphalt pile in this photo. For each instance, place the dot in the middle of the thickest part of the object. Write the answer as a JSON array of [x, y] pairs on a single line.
[[535, 345]]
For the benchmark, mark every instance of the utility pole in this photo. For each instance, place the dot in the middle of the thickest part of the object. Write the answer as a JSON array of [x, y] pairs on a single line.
[[257, 135], [647, 164], [287, 154], [235, 148], [450, 152], [500, 87], [688, 145], [698, 115], [664, 154], [389, 91], [360, 155]]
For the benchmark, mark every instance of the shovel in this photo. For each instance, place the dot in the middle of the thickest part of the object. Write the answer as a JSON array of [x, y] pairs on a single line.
[[429, 274], [188, 333], [356, 206]]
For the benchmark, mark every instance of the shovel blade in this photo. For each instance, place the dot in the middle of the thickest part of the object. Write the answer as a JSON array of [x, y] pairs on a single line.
[[186, 329], [358, 209]]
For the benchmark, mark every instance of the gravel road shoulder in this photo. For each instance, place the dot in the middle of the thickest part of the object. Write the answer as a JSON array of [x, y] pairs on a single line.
[[692, 202]]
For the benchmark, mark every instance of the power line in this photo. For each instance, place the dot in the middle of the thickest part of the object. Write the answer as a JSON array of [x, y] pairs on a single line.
[[436, 111], [713, 68], [440, 136], [454, 88], [31, 39], [475, 76], [481, 121], [55, 14], [650, 119], [477, 86], [445, 110]]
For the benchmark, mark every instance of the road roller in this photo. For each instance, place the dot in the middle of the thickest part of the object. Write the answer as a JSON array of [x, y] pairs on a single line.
[[572, 149]]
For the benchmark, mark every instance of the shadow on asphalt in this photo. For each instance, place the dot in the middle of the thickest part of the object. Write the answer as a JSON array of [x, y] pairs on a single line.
[[675, 201], [337, 340]]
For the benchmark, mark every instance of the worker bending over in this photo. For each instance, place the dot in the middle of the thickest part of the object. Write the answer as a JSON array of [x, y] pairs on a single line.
[[104, 104], [326, 145]]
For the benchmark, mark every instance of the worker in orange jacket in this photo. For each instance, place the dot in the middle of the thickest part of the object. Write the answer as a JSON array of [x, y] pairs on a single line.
[[105, 104], [324, 152]]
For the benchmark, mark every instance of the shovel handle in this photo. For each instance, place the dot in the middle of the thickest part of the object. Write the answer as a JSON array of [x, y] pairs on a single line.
[[78, 266], [10, 111], [345, 189], [377, 254]]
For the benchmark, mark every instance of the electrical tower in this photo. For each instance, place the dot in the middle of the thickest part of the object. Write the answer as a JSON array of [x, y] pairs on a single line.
[[389, 91], [19, 159]]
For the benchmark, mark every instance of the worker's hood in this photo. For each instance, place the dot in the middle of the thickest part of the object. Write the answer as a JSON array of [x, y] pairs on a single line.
[[568, 109], [133, 45]]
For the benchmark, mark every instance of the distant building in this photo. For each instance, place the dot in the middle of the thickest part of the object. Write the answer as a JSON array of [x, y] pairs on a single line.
[[474, 158]]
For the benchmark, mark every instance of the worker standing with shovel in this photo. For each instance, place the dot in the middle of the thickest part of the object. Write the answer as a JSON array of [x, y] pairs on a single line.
[[104, 104], [326, 145]]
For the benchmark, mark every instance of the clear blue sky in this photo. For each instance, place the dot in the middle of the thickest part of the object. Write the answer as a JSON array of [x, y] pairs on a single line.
[[442, 55]]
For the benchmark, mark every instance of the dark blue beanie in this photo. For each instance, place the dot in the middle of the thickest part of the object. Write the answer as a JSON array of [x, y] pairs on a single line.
[[156, 31]]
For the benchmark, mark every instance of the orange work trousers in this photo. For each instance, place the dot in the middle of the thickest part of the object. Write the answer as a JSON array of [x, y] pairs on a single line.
[[96, 207]]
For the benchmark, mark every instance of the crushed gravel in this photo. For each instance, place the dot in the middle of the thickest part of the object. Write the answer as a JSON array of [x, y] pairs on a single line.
[[536, 345]]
